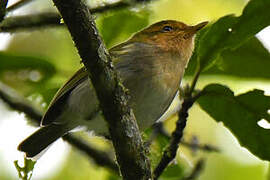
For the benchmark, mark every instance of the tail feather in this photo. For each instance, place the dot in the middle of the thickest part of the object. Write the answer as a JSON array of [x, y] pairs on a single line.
[[41, 139]]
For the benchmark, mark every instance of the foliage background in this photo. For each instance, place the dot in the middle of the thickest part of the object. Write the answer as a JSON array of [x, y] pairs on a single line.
[[38, 62]]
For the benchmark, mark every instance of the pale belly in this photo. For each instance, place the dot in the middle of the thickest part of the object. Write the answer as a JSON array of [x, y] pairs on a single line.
[[148, 101]]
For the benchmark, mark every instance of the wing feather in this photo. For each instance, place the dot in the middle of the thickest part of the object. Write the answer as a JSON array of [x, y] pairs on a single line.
[[56, 106], [118, 53]]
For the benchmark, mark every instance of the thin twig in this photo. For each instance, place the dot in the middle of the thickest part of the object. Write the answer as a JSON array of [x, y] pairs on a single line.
[[99, 9], [196, 170], [203, 147], [19, 103], [124, 132], [110, 6], [170, 152], [33, 21], [17, 5], [194, 82], [45, 19], [158, 129]]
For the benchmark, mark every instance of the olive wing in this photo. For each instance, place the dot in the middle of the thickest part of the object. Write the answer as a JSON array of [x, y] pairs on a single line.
[[56, 106]]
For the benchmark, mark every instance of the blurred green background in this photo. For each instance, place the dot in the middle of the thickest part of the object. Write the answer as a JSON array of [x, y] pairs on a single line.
[[40, 61]]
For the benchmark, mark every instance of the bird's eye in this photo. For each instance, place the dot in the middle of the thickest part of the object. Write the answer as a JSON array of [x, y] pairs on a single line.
[[167, 28]]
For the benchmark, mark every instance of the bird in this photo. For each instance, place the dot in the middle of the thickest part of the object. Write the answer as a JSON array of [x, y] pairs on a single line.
[[150, 64]]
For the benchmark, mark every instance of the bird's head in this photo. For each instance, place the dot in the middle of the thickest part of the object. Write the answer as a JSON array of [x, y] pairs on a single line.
[[170, 35]]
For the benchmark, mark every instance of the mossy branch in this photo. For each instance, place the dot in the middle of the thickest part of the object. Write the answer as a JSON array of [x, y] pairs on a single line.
[[111, 93]]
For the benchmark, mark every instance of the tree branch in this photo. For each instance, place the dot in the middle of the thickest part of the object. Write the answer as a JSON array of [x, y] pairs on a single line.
[[110, 6], [15, 23], [18, 5], [111, 93], [19, 103], [47, 19], [3, 5], [158, 129], [170, 152]]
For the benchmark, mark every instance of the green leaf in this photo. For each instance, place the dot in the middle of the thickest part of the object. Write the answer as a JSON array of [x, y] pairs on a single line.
[[26, 67], [240, 114], [119, 25], [229, 32], [255, 101], [250, 60]]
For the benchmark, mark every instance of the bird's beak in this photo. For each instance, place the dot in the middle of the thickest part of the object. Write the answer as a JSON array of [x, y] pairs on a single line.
[[192, 30], [199, 26]]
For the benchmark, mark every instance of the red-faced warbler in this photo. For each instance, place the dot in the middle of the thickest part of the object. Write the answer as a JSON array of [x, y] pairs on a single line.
[[151, 65]]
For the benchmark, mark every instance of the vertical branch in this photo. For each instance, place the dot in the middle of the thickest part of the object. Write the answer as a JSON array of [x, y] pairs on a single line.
[[112, 95], [194, 82], [170, 152]]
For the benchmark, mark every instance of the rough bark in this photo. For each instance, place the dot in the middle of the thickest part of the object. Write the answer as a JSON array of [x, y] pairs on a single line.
[[111, 93]]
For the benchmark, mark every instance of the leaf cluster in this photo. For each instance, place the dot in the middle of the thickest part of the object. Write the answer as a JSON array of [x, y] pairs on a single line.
[[229, 47]]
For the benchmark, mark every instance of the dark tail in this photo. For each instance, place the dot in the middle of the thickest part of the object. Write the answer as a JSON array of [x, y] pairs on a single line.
[[41, 139]]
